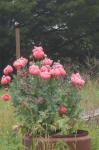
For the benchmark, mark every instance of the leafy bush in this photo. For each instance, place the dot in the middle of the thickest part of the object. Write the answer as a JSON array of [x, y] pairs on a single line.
[[46, 99]]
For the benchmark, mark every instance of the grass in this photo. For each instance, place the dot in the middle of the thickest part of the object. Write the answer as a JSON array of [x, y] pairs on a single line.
[[90, 95], [93, 128], [9, 140], [2, 104]]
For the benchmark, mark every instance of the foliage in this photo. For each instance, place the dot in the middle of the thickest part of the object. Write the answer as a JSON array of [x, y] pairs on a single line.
[[46, 99], [92, 67], [6, 123], [61, 145], [12, 141]]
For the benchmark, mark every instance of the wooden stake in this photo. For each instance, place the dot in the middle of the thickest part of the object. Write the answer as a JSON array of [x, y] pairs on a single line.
[[17, 26]]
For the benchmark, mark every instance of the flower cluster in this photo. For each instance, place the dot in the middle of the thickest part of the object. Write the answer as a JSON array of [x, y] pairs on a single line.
[[47, 70], [43, 93]]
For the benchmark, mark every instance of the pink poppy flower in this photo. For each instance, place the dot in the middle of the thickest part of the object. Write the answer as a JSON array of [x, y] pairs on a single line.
[[77, 80], [57, 65], [20, 63], [5, 79], [45, 68], [62, 71], [58, 72], [47, 61], [38, 52], [8, 69], [62, 109], [34, 70], [6, 97], [45, 75], [55, 72]]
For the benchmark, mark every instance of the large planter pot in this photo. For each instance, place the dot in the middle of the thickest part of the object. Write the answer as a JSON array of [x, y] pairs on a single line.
[[80, 141], [27, 142]]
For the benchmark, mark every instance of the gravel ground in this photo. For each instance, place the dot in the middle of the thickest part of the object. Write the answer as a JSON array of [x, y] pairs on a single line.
[[90, 115]]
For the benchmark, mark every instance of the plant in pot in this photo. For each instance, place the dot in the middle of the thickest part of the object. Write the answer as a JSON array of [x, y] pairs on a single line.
[[46, 101]]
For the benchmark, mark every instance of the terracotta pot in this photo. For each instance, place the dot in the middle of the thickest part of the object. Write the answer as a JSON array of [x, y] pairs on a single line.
[[27, 142], [80, 141]]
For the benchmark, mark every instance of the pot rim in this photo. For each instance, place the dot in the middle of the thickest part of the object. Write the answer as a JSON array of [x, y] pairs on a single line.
[[79, 133]]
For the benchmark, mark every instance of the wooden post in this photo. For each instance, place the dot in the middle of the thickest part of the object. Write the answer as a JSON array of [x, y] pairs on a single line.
[[17, 26]]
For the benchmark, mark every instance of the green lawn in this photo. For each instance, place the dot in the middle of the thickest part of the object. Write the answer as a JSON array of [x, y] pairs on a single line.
[[1, 102], [90, 95]]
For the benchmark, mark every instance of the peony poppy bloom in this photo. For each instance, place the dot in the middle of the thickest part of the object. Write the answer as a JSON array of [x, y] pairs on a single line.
[[8, 69], [34, 70], [6, 97], [5, 79], [20, 63], [38, 52], [77, 80], [45, 68], [47, 61], [45, 75], [62, 109]]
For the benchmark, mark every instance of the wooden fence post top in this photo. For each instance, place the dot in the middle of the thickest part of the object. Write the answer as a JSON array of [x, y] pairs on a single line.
[[17, 24]]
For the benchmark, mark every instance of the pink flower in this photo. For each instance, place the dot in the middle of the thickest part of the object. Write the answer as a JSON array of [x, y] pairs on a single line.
[[6, 97], [20, 63], [55, 72], [62, 71], [62, 109], [77, 80], [8, 69], [57, 65], [47, 61], [58, 72], [38, 52], [34, 70], [45, 68], [45, 75], [5, 79]]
